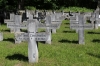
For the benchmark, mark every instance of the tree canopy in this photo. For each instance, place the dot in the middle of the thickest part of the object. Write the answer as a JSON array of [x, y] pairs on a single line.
[[46, 4]]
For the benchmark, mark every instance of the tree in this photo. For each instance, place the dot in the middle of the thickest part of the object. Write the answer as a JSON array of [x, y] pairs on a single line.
[[3, 4]]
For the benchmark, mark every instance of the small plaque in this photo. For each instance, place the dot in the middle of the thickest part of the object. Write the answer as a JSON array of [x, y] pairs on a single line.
[[25, 36], [13, 25], [85, 26], [51, 26]]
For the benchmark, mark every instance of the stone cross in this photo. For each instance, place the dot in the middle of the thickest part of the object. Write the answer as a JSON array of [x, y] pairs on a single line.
[[12, 17], [48, 30], [81, 26], [15, 25], [48, 26], [56, 20], [32, 37], [32, 44], [74, 20]]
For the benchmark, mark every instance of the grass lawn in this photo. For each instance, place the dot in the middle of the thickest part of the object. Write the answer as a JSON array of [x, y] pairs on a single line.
[[64, 50]]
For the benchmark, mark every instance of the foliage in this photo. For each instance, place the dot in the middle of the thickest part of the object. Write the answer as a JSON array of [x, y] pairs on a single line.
[[76, 9], [3, 4], [30, 8], [46, 4]]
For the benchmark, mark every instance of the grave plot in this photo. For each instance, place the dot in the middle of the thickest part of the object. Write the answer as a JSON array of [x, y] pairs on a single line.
[[43, 25], [74, 20], [23, 25], [17, 21], [52, 25], [47, 26], [17, 25], [57, 18], [12, 17], [81, 26], [32, 37]]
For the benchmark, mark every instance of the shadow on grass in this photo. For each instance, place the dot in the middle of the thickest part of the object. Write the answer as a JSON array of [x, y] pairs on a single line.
[[93, 32], [19, 57], [9, 39], [66, 27], [43, 42], [96, 40], [23, 30], [68, 31], [7, 30], [66, 23], [68, 41], [94, 55]]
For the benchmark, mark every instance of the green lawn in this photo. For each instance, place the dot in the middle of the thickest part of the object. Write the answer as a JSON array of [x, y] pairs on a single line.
[[64, 50]]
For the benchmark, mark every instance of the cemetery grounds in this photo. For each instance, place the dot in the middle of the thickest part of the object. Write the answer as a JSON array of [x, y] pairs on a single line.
[[63, 51]]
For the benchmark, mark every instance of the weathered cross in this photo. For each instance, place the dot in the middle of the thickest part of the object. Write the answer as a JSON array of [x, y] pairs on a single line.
[[74, 20], [12, 17], [57, 19], [80, 26], [32, 37], [14, 24]]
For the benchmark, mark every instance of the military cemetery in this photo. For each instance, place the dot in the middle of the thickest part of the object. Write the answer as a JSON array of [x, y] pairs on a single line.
[[50, 33]]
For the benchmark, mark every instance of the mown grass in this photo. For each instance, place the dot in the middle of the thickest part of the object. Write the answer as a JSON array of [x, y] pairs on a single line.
[[64, 50], [76, 9]]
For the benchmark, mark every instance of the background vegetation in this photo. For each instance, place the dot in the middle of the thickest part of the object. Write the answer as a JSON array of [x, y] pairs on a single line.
[[46, 4]]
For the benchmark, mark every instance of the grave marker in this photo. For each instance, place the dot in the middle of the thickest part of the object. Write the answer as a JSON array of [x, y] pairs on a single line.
[[15, 25], [32, 36], [32, 44], [81, 26], [48, 30], [55, 20], [42, 36], [12, 17], [74, 20]]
